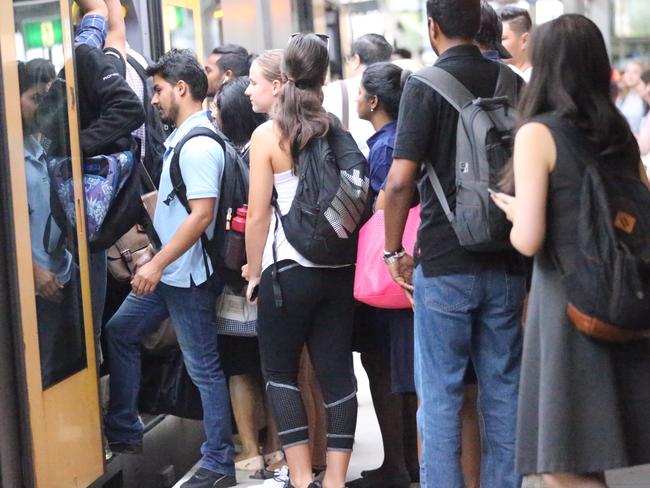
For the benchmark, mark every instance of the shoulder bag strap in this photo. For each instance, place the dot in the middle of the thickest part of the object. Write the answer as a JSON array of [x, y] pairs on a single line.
[[458, 97], [440, 193], [446, 85], [345, 97]]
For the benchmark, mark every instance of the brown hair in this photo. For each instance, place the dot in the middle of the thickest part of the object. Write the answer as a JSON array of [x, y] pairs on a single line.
[[299, 113], [270, 61]]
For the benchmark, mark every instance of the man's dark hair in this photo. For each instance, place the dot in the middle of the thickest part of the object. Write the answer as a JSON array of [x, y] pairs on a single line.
[[372, 48], [518, 19], [491, 30], [34, 72], [238, 64], [230, 49], [181, 64], [403, 53], [645, 77], [458, 19]]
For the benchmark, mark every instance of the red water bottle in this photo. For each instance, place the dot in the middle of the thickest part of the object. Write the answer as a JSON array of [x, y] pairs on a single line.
[[235, 245]]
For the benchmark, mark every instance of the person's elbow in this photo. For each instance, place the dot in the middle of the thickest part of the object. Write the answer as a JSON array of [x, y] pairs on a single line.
[[256, 218], [396, 185], [526, 243]]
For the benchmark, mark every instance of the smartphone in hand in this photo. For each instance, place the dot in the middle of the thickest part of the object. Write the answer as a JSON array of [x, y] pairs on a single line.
[[255, 292]]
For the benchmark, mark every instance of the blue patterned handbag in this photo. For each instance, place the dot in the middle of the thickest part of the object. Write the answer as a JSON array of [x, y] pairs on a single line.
[[103, 178]]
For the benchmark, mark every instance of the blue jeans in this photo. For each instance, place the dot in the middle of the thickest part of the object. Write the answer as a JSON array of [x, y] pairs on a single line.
[[458, 317], [192, 311]]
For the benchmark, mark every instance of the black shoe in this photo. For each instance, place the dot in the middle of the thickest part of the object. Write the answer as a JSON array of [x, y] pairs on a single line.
[[124, 448], [204, 478], [375, 481]]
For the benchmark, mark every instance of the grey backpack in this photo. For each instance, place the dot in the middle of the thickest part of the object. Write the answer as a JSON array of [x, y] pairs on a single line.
[[483, 147]]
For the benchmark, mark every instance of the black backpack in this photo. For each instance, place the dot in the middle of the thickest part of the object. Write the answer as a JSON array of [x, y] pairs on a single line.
[[332, 200], [608, 283], [484, 140], [233, 194]]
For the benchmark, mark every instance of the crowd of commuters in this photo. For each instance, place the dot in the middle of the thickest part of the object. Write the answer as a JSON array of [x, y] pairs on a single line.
[[495, 401]]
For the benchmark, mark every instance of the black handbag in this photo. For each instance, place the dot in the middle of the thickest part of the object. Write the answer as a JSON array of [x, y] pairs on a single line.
[[166, 388]]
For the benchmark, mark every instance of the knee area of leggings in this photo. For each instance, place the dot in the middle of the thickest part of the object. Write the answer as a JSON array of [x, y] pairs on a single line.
[[342, 415], [341, 423]]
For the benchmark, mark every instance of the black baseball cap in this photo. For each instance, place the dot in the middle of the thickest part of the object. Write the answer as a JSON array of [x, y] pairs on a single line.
[[491, 31]]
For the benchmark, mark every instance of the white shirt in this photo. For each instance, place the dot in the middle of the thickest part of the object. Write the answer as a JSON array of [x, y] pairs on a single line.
[[361, 130]]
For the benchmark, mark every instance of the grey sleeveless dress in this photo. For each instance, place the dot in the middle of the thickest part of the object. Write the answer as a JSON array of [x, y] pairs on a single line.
[[584, 406]]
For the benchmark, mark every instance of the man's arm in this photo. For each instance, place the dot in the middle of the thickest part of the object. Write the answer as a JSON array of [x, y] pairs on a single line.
[[116, 37], [189, 232], [201, 161], [120, 109], [400, 187]]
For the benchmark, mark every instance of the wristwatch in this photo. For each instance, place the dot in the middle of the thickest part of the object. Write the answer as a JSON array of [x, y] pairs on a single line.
[[391, 257]]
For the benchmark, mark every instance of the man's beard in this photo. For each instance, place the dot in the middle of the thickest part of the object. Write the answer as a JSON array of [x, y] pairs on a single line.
[[170, 117]]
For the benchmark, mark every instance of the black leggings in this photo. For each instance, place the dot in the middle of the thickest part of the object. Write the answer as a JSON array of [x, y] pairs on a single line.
[[318, 311]]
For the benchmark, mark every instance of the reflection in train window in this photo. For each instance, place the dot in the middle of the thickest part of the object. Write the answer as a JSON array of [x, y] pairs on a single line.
[[180, 22], [47, 169]]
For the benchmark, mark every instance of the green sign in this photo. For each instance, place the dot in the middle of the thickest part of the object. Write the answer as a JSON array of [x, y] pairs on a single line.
[[42, 34]]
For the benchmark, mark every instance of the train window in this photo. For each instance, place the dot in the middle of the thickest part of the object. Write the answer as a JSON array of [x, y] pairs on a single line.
[[182, 25], [47, 159]]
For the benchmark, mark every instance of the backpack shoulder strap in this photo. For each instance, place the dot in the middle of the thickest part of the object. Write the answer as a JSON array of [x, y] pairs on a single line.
[[178, 185], [345, 100], [507, 85], [137, 66], [446, 85]]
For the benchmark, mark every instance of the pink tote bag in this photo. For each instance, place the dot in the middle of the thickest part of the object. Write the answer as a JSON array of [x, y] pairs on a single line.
[[373, 284]]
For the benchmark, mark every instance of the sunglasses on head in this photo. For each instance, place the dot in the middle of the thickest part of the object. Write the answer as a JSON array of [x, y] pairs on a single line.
[[323, 37]]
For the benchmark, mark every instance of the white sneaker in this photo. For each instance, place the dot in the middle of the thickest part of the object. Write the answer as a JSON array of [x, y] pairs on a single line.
[[280, 479]]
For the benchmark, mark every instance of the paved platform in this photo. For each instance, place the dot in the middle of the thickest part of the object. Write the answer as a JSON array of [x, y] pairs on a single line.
[[368, 449]]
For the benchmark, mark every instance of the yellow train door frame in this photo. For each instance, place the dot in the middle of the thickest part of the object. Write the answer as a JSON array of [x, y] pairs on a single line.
[[171, 13], [64, 423]]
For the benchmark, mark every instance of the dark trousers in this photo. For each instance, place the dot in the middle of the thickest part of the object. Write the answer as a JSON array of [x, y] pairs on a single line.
[[317, 311]]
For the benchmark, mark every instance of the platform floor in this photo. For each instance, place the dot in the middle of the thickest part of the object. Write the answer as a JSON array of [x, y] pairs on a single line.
[[368, 450]]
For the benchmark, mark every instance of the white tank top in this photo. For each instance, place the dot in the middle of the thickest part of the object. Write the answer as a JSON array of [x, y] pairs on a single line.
[[286, 184]]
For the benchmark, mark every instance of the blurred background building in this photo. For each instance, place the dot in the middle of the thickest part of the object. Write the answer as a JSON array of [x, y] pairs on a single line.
[[625, 23]]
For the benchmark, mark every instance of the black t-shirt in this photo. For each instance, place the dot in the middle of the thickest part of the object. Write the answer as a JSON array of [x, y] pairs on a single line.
[[426, 131]]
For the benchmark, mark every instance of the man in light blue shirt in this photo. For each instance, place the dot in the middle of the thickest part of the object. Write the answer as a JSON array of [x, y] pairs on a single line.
[[176, 282]]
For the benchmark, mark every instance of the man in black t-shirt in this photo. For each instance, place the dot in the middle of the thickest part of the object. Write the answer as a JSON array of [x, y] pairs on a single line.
[[467, 304]]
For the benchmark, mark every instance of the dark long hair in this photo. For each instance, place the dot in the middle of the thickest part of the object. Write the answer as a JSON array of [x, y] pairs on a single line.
[[238, 121], [571, 78], [299, 113], [385, 81]]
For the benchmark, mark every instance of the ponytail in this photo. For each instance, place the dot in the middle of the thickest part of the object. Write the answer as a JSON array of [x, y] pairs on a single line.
[[299, 112]]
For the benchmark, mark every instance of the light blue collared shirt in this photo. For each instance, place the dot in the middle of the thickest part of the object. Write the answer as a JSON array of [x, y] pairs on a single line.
[[201, 162], [55, 258]]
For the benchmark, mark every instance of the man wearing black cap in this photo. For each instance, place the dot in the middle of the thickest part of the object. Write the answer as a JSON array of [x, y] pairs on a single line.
[[489, 35]]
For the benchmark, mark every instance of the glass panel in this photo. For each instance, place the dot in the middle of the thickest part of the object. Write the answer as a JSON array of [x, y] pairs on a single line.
[[43, 103], [631, 18], [179, 22]]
